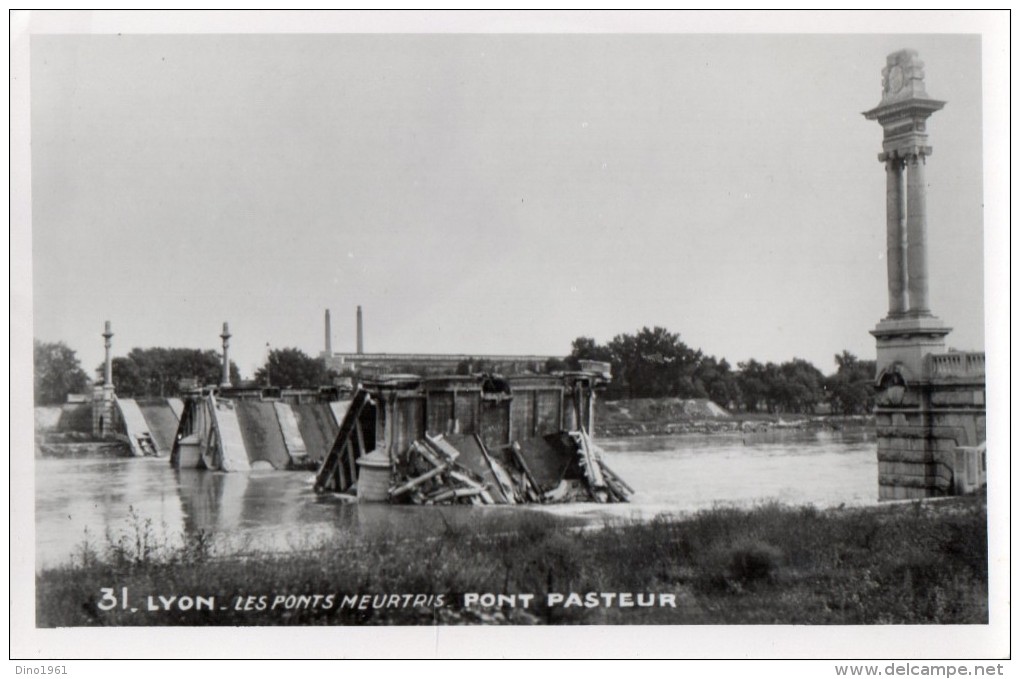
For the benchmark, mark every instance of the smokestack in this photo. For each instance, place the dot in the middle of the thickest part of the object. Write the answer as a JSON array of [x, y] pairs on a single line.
[[329, 335], [361, 336], [108, 368], [225, 335]]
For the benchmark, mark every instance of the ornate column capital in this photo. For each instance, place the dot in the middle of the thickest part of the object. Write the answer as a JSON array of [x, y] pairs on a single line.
[[905, 154]]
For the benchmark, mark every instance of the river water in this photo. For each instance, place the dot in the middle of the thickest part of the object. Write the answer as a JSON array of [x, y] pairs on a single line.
[[98, 501]]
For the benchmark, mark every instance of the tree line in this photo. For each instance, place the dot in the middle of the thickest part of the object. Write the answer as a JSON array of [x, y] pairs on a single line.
[[651, 363], [166, 372], [655, 363]]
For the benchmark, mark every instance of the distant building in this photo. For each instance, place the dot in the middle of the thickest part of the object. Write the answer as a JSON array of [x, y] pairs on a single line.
[[434, 364], [371, 364]]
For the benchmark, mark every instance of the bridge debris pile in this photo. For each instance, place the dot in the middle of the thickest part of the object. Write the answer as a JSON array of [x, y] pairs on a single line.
[[472, 439], [457, 469]]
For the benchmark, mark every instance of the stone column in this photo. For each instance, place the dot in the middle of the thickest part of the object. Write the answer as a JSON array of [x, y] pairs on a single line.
[[225, 336], [910, 331], [906, 412], [917, 247], [895, 231], [102, 395], [108, 366]]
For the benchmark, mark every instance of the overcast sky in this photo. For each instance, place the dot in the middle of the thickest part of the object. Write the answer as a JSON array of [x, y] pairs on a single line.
[[487, 193]]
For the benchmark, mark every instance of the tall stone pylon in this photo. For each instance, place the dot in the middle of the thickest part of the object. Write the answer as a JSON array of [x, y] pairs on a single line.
[[929, 405], [225, 336], [909, 331], [103, 395], [108, 361]]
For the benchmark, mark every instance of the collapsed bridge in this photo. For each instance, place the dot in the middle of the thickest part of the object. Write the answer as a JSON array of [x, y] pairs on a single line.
[[472, 439], [148, 425], [240, 429], [478, 439]]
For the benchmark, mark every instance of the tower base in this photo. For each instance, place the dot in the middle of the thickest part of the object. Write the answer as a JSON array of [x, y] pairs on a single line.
[[906, 341], [102, 410], [929, 408]]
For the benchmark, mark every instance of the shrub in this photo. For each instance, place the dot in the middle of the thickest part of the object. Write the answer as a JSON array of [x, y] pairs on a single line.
[[738, 566], [753, 562]]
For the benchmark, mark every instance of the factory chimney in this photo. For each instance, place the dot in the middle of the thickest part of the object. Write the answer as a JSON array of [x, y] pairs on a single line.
[[329, 335], [361, 336]]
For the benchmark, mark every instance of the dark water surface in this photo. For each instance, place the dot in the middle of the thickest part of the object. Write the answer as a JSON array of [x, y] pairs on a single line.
[[103, 500]]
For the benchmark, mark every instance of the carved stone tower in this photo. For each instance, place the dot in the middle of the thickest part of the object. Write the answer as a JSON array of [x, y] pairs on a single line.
[[103, 395], [909, 332], [225, 336], [930, 405]]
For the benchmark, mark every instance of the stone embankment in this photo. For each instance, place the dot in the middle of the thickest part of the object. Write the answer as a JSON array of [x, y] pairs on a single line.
[[65, 432], [672, 416], [71, 445]]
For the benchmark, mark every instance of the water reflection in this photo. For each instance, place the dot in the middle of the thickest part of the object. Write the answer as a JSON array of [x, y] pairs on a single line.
[[212, 502], [258, 510], [101, 501]]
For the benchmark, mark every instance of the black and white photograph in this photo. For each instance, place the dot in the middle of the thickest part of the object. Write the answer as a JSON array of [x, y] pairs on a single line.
[[682, 333]]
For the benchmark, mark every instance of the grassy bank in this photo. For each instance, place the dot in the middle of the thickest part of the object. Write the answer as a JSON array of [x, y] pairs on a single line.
[[903, 563]]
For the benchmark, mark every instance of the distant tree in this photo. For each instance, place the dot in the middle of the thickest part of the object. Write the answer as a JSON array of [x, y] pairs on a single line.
[[714, 380], [851, 389], [159, 371], [752, 381], [797, 387], [127, 378], [292, 368], [554, 364], [57, 373], [587, 349], [655, 363]]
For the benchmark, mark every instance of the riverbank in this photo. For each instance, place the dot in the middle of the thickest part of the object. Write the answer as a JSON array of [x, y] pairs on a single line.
[[670, 416], [65, 432], [919, 562], [74, 445]]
